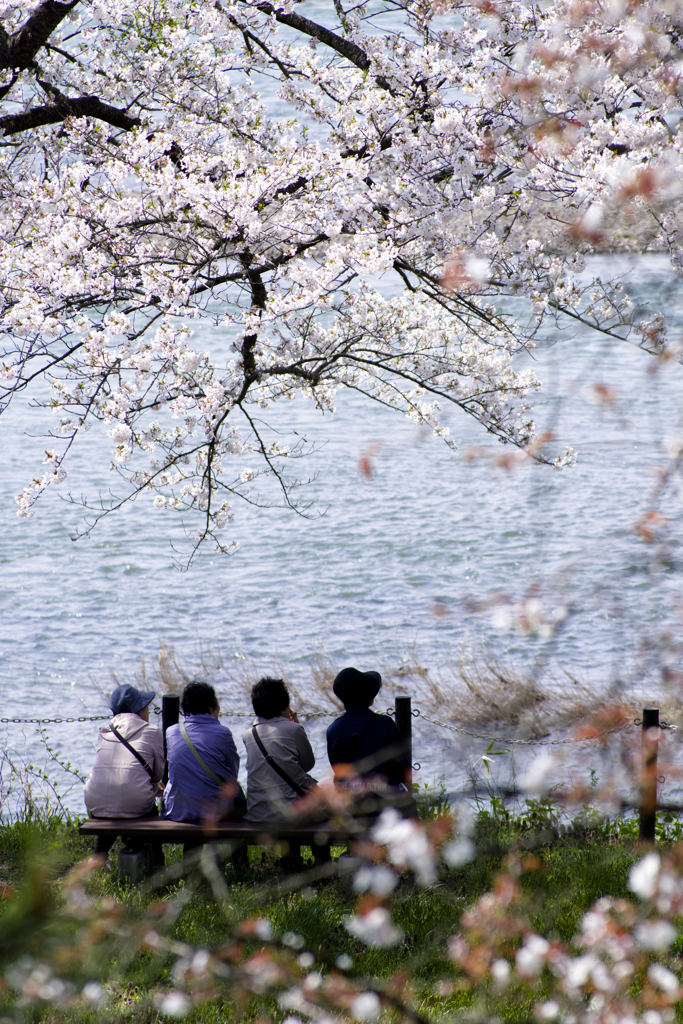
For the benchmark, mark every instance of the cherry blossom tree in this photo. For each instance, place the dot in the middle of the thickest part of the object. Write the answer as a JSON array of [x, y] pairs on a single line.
[[470, 154]]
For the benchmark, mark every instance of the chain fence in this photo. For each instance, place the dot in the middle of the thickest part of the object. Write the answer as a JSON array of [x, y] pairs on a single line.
[[416, 712], [529, 741], [53, 721], [107, 718]]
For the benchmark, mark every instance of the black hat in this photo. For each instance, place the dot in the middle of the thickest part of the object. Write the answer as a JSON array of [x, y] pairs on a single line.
[[354, 687]]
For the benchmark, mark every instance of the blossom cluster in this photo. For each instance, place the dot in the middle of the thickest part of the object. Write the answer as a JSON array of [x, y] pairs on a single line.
[[618, 966], [382, 237], [591, 979]]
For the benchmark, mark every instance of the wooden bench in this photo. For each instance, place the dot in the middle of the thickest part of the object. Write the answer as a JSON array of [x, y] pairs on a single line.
[[319, 836]]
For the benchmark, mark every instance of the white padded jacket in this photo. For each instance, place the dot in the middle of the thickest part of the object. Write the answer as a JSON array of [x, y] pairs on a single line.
[[118, 785]]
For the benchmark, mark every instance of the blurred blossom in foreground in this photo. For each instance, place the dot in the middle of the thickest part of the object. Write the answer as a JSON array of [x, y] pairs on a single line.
[[380, 880], [459, 852], [536, 779], [174, 1004], [643, 876], [366, 1006], [465, 272], [407, 844], [375, 928]]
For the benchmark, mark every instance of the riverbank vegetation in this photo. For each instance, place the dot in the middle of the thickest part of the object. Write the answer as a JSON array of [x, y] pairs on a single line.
[[479, 687], [521, 919]]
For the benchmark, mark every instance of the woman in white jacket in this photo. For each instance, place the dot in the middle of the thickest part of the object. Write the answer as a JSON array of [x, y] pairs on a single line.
[[129, 763]]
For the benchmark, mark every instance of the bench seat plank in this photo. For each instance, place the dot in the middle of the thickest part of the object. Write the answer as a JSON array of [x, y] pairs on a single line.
[[261, 833]]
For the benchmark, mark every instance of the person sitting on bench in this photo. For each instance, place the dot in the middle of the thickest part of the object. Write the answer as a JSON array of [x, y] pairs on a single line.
[[365, 748], [129, 765], [202, 762], [279, 755]]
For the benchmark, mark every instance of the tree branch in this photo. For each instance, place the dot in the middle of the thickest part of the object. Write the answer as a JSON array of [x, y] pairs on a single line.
[[345, 47], [79, 106], [24, 44], [259, 298], [263, 268]]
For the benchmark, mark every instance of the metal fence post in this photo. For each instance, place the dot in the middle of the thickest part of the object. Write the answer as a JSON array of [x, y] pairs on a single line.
[[170, 715], [648, 777], [404, 723]]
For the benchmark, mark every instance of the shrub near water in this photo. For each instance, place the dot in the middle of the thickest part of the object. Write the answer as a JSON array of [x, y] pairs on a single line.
[[574, 925]]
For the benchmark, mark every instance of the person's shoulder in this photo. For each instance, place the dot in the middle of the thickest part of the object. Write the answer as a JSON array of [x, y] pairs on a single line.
[[208, 725], [226, 732], [216, 723], [198, 723], [385, 721], [296, 728], [173, 733], [283, 725], [284, 728]]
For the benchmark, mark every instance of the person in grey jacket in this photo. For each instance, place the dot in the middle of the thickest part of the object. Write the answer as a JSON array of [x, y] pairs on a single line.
[[269, 794], [120, 785]]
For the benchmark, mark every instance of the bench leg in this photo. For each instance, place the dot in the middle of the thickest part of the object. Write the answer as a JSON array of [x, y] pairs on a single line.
[[104, 843], [191, 846], [240, 858], [322, 854], [156, 853], [292, 860]]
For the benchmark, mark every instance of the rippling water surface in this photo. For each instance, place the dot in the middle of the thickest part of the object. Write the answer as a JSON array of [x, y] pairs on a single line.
[[388, 563]]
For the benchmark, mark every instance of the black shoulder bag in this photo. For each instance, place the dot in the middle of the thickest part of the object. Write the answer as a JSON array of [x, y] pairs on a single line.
[[272, 763], [138, 757]]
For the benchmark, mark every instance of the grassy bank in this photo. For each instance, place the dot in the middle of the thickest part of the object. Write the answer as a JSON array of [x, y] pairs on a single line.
[[210, 943]]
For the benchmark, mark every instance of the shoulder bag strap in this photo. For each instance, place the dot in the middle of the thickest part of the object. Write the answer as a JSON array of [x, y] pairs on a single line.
[[200, 760], [275, 766], [133, 751]]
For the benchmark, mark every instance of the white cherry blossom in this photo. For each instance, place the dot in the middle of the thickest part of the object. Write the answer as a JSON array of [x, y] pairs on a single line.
[[378, 232]]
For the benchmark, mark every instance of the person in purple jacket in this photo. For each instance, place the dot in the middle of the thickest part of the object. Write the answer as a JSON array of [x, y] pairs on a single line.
[[202, 762]]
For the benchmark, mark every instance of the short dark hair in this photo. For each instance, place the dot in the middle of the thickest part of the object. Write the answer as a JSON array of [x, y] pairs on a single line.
[[269, 697], [198, 699]]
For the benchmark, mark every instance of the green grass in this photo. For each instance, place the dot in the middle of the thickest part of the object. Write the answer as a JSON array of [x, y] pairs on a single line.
[[561, 877]]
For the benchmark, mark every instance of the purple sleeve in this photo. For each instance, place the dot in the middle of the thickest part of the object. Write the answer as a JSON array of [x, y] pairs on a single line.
[[232, 758]]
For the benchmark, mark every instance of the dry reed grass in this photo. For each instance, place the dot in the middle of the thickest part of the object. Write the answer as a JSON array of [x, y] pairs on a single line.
[[479, 690]]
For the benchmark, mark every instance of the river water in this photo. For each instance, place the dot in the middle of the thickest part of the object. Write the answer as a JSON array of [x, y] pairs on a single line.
[[392, 567]]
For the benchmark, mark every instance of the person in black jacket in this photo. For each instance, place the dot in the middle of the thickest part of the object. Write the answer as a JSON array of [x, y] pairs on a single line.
[[365, 749]]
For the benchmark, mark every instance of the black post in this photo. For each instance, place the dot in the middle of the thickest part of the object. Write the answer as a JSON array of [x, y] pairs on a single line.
[[170, 715], [648, 777], [404, 724]]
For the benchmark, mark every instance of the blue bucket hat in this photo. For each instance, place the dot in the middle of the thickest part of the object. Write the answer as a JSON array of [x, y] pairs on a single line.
[[126, 699], [356, 688]]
